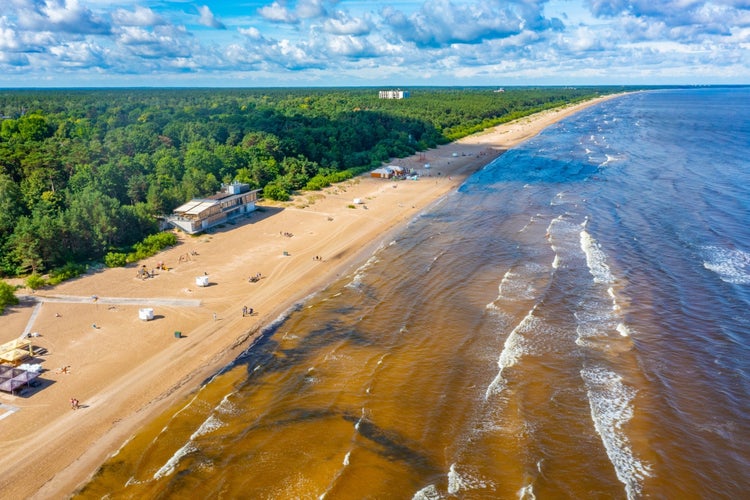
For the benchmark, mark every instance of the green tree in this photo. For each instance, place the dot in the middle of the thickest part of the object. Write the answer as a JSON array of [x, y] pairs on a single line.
[[33, 127], [10, 205], [92, 217]]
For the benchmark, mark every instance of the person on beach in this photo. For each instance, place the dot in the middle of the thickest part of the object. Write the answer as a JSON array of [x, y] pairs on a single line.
[[74, 404]]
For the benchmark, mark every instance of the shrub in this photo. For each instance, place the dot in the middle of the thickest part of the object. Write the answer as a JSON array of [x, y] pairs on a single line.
[[7, 296], [35, 282], [274, 191], [151, 245], [66, 272], [115, 259]]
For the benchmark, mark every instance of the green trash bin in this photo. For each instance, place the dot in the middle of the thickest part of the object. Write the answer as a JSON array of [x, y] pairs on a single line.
[[177, 334]]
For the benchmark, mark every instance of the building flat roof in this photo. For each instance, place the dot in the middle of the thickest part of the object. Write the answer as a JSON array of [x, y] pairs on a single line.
[[195, 207]]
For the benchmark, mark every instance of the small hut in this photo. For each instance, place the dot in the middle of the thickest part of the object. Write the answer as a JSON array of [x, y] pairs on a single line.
[[201, 280], [382, 173]]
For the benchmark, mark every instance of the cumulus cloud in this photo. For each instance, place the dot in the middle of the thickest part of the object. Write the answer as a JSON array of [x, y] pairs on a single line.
[[207, 18], [79, 55], [140, 16], [164, 42], [8, 36], [343, 24], [304, 9], [276, 12], [67, 16], [455, 40], [441, 23]]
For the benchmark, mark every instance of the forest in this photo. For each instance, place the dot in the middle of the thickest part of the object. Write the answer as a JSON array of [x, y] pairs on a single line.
[[87, 172]]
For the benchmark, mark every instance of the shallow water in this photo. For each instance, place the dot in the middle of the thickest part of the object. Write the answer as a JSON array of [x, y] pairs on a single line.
[[571, 324]]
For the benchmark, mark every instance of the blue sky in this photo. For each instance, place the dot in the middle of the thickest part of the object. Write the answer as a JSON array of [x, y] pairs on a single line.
[[248, 43]]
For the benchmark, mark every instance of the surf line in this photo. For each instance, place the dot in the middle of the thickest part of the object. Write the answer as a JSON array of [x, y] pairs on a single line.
[[511, 353]]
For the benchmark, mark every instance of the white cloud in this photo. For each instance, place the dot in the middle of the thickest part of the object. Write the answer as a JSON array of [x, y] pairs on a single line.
[[427, 41], [140, 16], [277, 12], [343, 24], [8, 36], [207, 18], [67, 16]]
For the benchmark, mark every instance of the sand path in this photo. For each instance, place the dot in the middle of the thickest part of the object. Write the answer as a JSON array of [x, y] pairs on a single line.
[[126, 371]]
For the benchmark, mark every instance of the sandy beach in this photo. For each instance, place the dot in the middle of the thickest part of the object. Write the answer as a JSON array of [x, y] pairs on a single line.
[[92, 345]]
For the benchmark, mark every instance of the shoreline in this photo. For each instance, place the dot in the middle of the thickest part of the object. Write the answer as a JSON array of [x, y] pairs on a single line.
[[126, 371]]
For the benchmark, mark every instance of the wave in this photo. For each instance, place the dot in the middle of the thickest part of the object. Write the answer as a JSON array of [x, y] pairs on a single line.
[[169, 467], [732, 265], [464, 480], [611, 408], [596, 260], [513, 349]]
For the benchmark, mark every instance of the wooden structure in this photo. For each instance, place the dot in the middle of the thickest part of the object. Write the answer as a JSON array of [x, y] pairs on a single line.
[[382, 173]]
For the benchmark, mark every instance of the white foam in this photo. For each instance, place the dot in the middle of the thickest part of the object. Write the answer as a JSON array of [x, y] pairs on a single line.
[[359, 420], [596, 260], [463, 481], [360, 273], [623, 329], [169, 467], [513, 349], [526, 493], [429, 492], [520, 284], [731, 264], [611, 293], [611, 408], [209, 425]]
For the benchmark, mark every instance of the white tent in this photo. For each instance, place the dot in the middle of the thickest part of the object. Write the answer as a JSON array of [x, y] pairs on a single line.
[[201, 280]]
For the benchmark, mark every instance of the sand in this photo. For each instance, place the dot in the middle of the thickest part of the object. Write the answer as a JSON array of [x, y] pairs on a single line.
[[124, 371]]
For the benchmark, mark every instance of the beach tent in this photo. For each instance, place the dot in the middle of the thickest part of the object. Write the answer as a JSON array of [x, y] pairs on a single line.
[[13, 378], [146, 314], [201, 280]]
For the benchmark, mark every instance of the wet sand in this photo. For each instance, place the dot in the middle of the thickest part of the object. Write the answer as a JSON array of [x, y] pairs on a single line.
[[124, 371]]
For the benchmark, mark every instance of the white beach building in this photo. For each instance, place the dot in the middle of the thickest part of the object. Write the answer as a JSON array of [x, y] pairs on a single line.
[[200, 214]]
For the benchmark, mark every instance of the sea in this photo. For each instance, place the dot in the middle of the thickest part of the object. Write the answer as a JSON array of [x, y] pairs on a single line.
[[572, 322]]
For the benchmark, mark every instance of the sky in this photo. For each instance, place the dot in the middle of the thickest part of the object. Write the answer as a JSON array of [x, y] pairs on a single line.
[[386, 43]]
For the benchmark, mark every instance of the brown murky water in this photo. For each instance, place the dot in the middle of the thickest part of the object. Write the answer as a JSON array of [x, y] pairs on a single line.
[[535, 336]]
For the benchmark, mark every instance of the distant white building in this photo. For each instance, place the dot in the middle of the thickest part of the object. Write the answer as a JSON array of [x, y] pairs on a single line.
[[200, 214], [393, 94]]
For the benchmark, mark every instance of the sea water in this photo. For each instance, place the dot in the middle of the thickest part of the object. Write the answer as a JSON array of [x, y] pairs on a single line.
[[572, 323]]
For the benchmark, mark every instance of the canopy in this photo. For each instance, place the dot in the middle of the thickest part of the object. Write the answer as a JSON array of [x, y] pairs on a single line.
[[13, 378]]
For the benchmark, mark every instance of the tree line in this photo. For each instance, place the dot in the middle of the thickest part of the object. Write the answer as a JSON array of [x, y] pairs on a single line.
[[87, 172]]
